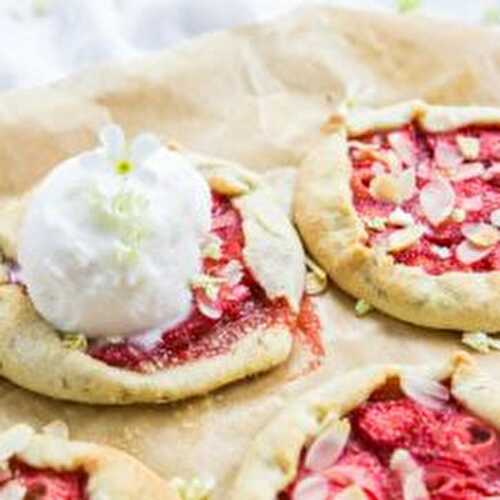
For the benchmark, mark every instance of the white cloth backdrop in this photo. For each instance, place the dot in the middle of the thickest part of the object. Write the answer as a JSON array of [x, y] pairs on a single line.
[[42, 40]]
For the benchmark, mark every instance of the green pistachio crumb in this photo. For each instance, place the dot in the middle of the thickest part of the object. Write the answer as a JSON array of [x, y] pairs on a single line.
[[74, 341], [196, 489], [376, 223], [362, 308]]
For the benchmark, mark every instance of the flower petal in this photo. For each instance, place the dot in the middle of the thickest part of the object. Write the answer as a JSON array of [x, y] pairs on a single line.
[[424, 391], [91, 159], [113, 140], [468, 253], [143, 146], [328, 447], [437, 200], [311, 488]]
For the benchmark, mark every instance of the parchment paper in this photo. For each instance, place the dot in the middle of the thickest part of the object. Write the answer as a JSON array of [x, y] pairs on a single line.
[[257, 95]]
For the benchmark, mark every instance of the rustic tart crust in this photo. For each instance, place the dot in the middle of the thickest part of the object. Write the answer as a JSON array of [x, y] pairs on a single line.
[[335, 235], [271, 462], [112, 474], [33, 356]]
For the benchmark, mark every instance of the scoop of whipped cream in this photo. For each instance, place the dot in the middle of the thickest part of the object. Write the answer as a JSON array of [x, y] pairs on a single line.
[[111, 239]]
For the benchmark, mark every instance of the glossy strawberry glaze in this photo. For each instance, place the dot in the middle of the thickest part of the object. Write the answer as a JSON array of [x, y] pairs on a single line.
[[245, 307], [459, 454], [448, 234], [46, 484]]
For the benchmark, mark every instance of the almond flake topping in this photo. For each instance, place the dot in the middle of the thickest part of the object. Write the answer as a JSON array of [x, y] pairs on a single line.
[[353, 492], [458, 215], [56, 428], [480, 341], [399, 217], [316, 278], [396, 187], [437, 200], [446, 156], [15, 440], [311, 488], [376, 223], [468, 253], [492, 174], [328, 447], [472, 204], [424, 390], [441, 252], [210, 285], [481, 234], [468, 171], [495, 218], [403, 147], [410, 474], [468, 146], [403, 238], [196, 489], [13, 490]]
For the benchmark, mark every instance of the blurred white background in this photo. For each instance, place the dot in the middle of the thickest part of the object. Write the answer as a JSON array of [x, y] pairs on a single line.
[[42, 40]]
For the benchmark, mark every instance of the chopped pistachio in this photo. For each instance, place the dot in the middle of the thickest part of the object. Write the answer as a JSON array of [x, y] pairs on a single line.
[[316, 278], [458, 215], [212, 249], [362, 308], [195, 489], [405, 6], [480, 341], [468, 146], [209, 284], [74, 341], [376, 223]]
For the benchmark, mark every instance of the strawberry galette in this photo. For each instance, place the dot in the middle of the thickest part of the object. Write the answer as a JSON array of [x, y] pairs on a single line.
[[401, 206], [172, 275], [49, 467], [382, 433]]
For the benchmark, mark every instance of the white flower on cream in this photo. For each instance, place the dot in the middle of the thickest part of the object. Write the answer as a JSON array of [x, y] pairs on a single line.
[[113, 237]]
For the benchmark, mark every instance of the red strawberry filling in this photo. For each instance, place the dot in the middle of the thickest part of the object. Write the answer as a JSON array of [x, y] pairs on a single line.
[[239, 306], [464, 162], [43, 484], [458, 454]]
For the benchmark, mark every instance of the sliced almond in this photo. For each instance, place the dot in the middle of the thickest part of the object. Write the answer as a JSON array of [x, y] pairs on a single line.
[[316, 278], [437, 200], [328, 447], [441, 252], [13, 490], [468, 253], [481, 234], [399, 217], [410, 474], [472, 204], [403, 147], [57, 428], [495, 218], [424, 170], [469, 147], [403, 238], [458, 215], [447, 156], [385, 188], [353, 492], [425, 391], [407, 183], [492, 174], [468, 171], [15, 440], [311, 488]]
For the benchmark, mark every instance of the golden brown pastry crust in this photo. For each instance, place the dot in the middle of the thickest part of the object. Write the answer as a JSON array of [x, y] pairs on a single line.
[[334, 233], [112, 474], [271, 462], [33, 356]]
